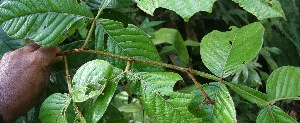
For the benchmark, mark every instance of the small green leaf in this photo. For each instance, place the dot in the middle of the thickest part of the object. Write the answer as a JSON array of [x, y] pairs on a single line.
[[90, 80], [161, 103], [191, 43], [95, 108], [173, 37], [284, 83], [53, 109], [225, 52], [262, 9], [222, 111], [44, 21], [249, 94], [130, 41], [185, 8], [273, 114]]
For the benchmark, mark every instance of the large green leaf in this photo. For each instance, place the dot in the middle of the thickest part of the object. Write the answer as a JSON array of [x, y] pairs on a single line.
[[161, 103], [90, 80], [7, 43], [225, 52], [185, 8], [284, 83], [173, 37], [262, 9], [273, 114], [95, 108], [44, 21], [130, 41], [54, 108], [95, 4], [222, 111], [250, 94]]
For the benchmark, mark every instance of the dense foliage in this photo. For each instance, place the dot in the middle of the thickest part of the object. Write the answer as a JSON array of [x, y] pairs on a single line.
[[162, 61]]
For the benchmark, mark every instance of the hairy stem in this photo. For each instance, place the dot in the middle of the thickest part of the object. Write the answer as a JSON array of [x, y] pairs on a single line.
[[85, 45], [131, 59]]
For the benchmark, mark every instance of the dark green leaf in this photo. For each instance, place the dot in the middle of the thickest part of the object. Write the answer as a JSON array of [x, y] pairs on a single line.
[[7, 43], [130, 41], [44, 21]]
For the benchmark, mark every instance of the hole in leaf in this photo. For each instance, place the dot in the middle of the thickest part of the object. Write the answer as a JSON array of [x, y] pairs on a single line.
[[230, 42]]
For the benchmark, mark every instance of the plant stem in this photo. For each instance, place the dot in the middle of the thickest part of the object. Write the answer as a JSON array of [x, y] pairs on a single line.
[[131, 59], [85, 45], [68, 77]]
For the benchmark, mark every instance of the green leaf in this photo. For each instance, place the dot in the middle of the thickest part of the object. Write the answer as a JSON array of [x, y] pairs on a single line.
[[95, 108], [225, 52], [172, 36], [273, 114], [222, 111], [284, 83], [112, 115], [130, 41], [7, 43], [54, 108], [90, 80], [95, 4], [262, 9], [44, 21], [161, 103], [249, 94], [191, 43], [185, 8]]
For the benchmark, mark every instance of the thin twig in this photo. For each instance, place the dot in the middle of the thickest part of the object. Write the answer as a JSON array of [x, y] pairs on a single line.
[[69, 81], [68, 77], [85, 45]]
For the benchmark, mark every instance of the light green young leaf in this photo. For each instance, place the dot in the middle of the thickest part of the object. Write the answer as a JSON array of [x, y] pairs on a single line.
[[130, 41], [7, 43], [222, 111], [44, 21], [284, 83], [95, 108], [225, 52], [173, 37], [161, 103], [262, 9], [249, 94], [273, 114], [185, 8], [90, 80], [53, 109]]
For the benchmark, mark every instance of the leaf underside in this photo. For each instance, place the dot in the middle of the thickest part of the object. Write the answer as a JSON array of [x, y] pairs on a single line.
[[130, 41], [185, 8], [262, 9], [225, 52], [44, 21]]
